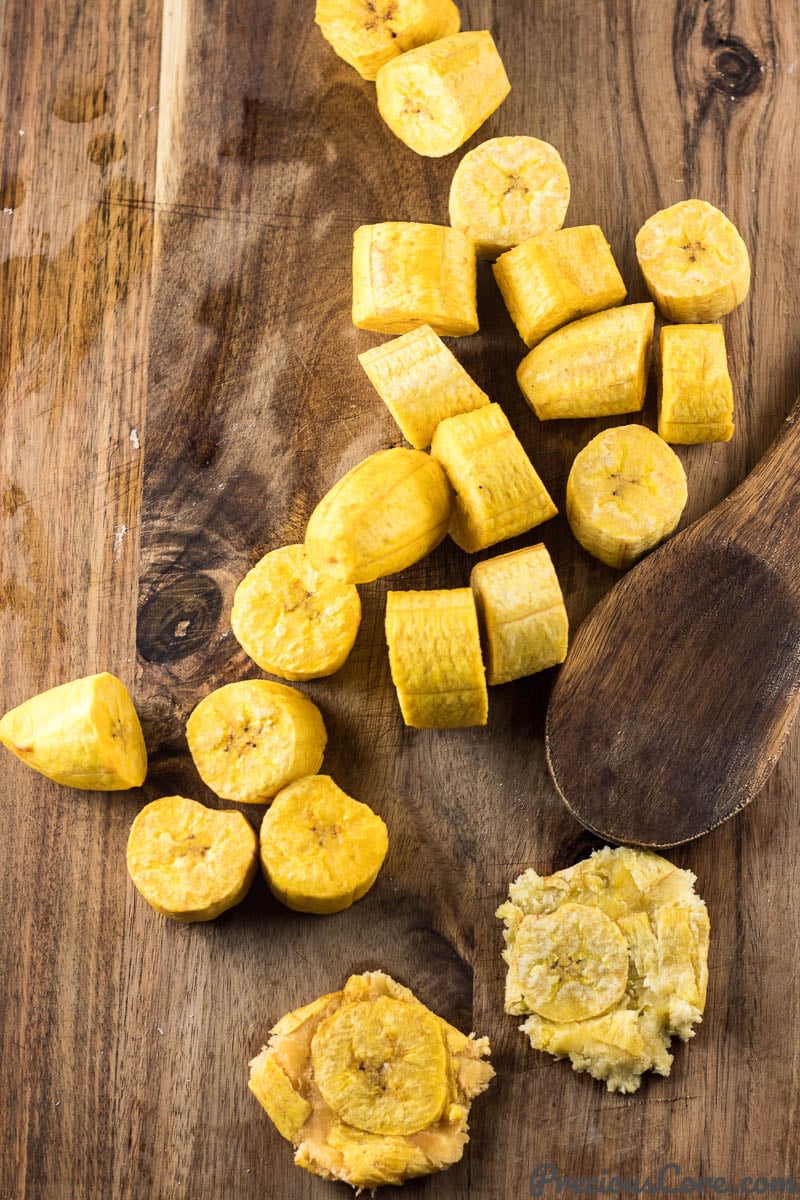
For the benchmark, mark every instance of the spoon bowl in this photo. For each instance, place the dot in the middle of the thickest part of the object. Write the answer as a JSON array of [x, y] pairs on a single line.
[[680, 686]]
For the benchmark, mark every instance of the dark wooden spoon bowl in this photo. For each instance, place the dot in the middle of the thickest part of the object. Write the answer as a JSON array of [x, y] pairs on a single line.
[[681, 685]]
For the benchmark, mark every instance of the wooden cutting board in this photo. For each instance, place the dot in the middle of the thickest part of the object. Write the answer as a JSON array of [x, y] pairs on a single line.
[[179, 387]]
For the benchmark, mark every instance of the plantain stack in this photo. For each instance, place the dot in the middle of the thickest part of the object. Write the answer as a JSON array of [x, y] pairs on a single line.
[[249, 739], [421, 382], [595, 367], [388, 512], [507, 190], [626, 491], [435, 658], [525, 623], [293, 621], [556, 277], [407, 274], [694, 262], [321, 850], [368, 33], [84, 734], [369, 1085], [435, 97], [696, 394], [497, 491], [607, 960]]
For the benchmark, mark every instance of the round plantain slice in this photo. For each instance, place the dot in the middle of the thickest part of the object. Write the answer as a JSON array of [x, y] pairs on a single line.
[[249, 739], [291, 620], [694, 261], [382, 1066], [571, 964], [507, 190], [368, 33], [84, 734], [321, 850], [625, 494], [190, 862], [369, 1085]]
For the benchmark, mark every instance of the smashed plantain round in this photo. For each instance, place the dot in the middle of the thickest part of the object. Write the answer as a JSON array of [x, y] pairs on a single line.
[[369, 1085], [608, 960]]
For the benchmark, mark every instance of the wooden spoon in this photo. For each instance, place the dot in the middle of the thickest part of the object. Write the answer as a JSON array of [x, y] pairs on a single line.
[[680, 686]]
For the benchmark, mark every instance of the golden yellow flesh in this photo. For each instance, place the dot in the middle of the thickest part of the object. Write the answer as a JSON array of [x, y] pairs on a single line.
[[525, 623], [434, 97], [407, 274], [388, 512], [270, 1085], [557, 277], [421, 382], [368, 33], [190, 862], [320, 849], [435, 658], [250, 739], [570, 965], [507, 190], [369, 1085], [293, 621], [595, 367], [625, 494], [696, 395], [84, 734], [607, 960], [694, 262], [498, 494], [382, 1067]]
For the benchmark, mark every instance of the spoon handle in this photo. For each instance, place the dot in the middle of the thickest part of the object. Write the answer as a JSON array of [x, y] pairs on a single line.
[[763, 513]]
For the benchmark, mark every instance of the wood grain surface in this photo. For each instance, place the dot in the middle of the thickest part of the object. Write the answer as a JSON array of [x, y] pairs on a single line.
[[180, 183]]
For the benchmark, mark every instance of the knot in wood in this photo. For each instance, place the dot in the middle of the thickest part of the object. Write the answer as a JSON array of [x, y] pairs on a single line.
[[178, 619], [736, 70]]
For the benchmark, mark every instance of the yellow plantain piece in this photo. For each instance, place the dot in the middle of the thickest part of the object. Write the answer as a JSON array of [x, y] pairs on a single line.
[[368, 33], [388, 512], [291, 620], [625, 494], [696, 394], [595, 367], [694, 261], [497, 491], [435, 658], [407, 274], [369, 1085], [507, 190], [570, 964], [435, 97], [321, 850], [421, 382], [557, 277], [190, 862], [525, 623], [607, 960], [84, 734], [250, 739]]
